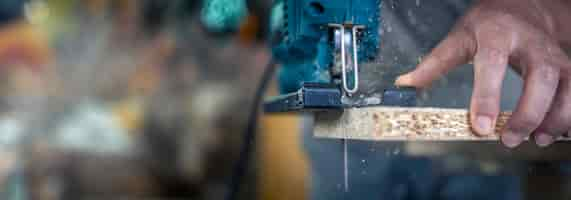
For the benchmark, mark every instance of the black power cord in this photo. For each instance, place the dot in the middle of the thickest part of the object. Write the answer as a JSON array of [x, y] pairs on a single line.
[[249, 141]]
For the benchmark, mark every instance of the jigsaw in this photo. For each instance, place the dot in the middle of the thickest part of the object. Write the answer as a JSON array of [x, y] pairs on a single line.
[[320, 45]]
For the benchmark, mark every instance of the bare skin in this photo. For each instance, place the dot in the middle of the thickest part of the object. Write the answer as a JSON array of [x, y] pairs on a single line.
[[530, 36]]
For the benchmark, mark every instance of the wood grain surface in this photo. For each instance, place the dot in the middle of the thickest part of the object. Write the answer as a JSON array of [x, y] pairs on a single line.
[[406, 124], [429, 132]]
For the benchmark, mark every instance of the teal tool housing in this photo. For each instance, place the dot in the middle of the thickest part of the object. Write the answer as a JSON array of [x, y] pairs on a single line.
[[305, 45]]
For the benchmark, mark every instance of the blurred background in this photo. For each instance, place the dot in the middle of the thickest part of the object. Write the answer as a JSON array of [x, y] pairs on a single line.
[[155, 99], [137, 99]]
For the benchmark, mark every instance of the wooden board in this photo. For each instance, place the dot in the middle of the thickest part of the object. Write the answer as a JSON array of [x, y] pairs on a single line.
[[402, 124], [429, 132]]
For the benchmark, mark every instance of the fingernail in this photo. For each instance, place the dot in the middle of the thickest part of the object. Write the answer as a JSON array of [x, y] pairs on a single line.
[[403, 80], [543, 139], [511, 139], [484, 125]]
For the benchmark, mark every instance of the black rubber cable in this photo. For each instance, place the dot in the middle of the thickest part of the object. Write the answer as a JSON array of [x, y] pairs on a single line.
[[249, 141]]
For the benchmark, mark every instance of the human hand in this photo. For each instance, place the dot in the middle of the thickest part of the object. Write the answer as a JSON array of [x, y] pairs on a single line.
[[527, 35]]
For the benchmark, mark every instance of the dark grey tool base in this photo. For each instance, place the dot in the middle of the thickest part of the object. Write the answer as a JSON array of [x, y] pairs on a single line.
[[319, 97]]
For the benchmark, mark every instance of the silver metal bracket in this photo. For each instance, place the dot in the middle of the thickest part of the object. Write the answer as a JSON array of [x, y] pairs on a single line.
[[353, 54]]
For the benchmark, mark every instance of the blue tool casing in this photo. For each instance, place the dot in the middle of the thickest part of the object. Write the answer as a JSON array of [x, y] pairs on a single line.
[[304, 47]]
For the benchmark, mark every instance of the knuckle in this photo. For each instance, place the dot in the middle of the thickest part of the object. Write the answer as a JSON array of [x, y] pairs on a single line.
[[546, 74], [486, 98], [550, 74], [506, 18], [496, 54], [498, 20], [525, 123]]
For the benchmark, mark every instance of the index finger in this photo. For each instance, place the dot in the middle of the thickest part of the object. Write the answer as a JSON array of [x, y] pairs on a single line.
[[458, 48]]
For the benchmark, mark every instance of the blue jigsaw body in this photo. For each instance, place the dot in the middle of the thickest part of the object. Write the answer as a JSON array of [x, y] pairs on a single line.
[[305, 48]]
